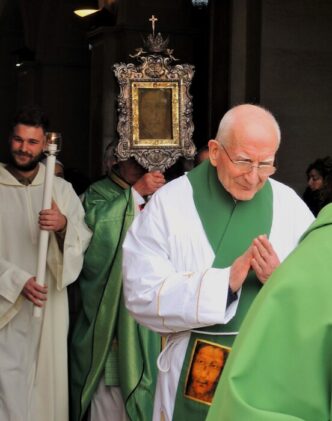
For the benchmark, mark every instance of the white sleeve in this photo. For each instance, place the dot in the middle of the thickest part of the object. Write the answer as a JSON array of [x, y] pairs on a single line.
[[157, 294], [68, 264], [291, 218], [138, 199], [12, 281]]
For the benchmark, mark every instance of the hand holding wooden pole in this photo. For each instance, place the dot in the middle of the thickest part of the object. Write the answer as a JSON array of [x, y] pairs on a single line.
[[52, 148]]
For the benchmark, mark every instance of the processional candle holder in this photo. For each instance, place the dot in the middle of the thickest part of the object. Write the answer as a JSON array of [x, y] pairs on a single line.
[[51, 149]]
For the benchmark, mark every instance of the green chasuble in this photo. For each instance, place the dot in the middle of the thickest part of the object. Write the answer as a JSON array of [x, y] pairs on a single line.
[[106, 341], [230, 227], [280, 368]]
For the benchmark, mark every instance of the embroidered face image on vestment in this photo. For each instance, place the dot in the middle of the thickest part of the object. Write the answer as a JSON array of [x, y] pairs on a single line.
[[206, 365]]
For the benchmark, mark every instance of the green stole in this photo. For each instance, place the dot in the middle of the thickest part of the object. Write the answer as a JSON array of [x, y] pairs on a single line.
[[230, 227], [109, 213]]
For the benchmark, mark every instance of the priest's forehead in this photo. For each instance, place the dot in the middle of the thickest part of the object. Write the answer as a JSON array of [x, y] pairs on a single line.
[[245, 123]]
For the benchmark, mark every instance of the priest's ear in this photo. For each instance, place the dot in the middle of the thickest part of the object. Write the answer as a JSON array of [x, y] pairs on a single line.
[[214, 151]]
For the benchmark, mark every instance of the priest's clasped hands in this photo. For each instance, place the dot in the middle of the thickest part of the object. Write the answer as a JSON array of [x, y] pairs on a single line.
[[260, 257]]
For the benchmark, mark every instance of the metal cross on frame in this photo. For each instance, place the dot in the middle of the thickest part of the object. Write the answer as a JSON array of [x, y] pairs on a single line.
[[153, 20]]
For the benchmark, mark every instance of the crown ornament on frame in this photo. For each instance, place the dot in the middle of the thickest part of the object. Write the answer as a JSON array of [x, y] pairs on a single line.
[[155, 106]]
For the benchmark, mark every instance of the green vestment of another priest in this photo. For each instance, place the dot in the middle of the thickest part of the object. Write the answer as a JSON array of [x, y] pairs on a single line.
[[104, 323], [280, 368]]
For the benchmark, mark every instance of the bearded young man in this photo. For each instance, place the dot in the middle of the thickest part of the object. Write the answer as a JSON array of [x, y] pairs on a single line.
[[33, 364], [205, 244]]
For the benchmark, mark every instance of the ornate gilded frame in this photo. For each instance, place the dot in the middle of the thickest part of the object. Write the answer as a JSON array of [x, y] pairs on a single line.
[[155, 107]]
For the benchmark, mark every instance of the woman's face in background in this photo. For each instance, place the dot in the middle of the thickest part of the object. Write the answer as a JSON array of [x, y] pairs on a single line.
[[315, 180]]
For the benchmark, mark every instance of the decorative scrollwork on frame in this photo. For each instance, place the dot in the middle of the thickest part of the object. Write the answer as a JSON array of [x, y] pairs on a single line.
[[155, 107]]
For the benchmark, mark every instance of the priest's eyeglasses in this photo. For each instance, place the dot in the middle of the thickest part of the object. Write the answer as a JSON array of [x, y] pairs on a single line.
[[246, 166]]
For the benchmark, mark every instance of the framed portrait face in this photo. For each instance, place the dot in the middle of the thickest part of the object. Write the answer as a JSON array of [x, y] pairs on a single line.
[[205, 368], [155, 110]]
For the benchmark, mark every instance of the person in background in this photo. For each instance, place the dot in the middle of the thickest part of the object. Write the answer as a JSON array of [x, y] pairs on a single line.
[[280, 366], [204, 240], [318, 191], [113, 359], [202, 154], [33, 363], [58, 168]]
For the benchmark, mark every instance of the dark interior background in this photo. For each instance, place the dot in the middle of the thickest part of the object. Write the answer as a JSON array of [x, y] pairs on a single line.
[[274, 52]]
